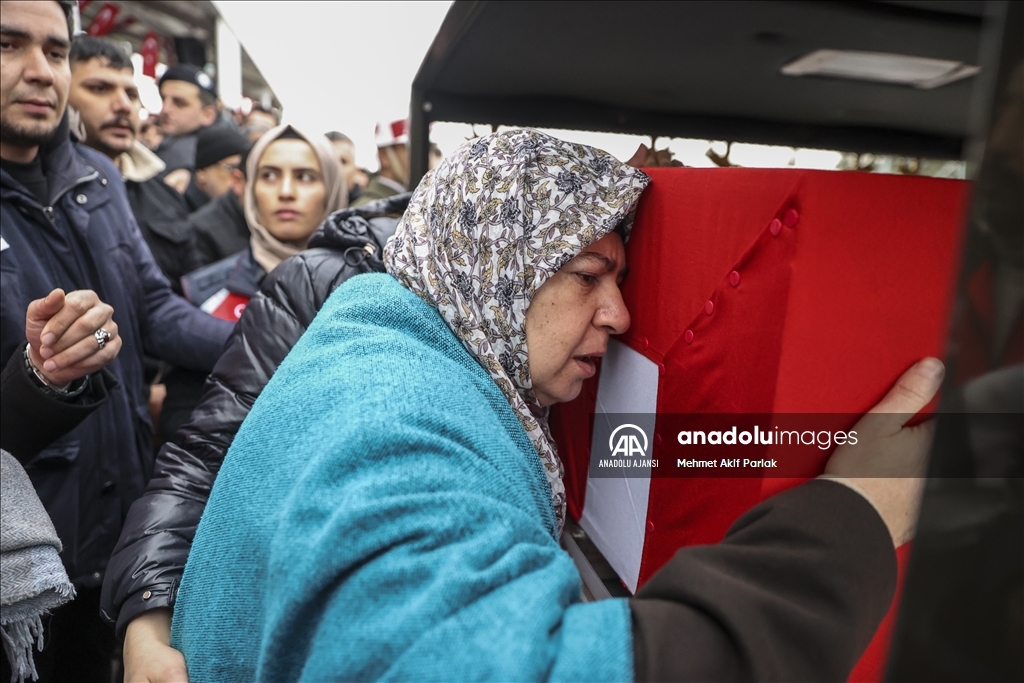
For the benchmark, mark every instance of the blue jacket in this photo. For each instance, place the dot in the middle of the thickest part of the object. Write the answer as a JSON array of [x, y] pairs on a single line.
[[88, 239], [383, 515]]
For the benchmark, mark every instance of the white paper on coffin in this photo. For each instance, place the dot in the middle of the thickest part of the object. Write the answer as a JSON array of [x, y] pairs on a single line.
[[615, 510]]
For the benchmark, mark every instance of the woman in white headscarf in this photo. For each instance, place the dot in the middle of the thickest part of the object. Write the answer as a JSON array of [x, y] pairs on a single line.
[[391, 507], [293, 182]]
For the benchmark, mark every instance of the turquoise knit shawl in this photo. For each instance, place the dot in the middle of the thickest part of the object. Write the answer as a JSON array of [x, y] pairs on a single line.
[[383, 515]]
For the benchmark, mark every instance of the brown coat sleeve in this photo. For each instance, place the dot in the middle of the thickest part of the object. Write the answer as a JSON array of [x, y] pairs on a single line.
[[794, 592]]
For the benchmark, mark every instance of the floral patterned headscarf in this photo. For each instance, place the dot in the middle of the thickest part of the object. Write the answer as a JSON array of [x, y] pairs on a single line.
[[487, 228]]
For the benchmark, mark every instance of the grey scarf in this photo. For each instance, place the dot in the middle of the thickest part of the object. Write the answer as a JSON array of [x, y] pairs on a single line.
[[32, 578]]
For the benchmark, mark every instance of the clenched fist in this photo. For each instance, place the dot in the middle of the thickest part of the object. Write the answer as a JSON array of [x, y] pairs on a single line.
[[61, 330]]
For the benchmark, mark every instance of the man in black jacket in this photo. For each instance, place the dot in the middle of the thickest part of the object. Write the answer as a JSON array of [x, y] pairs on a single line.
[[67, 224], [189, 105], [219, 228], [104, 94]]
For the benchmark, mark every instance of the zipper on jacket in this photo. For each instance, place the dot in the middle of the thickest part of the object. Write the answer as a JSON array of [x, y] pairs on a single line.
[[48, 210], [51, 216]]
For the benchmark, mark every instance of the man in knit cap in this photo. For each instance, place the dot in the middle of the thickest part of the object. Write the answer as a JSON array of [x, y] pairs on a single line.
[[219, 227], [189, 105]]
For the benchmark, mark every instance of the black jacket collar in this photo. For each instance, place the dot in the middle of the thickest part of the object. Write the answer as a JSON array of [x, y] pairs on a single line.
[[63, 165]]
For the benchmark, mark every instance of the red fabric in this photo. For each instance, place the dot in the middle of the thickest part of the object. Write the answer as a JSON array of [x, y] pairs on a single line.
[[871, 667], [571, 428], [150, 54], [824, 287], [231, 308], [103, 22]]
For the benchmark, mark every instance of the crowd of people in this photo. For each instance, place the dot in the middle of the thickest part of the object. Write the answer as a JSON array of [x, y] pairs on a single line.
[[259, 466]]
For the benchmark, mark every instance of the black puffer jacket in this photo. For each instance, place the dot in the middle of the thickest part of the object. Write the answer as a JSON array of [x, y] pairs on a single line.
[[150, 556]]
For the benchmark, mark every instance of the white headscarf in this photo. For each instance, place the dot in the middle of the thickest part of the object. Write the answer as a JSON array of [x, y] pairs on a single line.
[[487, 228], [267, 249]]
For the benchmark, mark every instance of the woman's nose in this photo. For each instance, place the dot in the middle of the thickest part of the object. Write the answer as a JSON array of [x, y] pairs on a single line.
[[287, 186], [613, 314]]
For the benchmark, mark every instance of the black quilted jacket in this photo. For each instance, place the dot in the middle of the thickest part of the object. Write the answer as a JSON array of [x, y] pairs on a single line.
[[146, 566]]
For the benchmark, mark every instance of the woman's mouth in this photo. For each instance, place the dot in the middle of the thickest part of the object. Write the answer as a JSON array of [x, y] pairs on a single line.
[[286, 214], [588, 364]]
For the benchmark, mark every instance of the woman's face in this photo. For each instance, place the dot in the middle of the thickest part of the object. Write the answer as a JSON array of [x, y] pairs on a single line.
[[290, 191], [571, 317]]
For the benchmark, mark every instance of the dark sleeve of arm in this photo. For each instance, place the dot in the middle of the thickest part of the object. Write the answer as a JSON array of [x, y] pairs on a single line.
[[173, 329], [206, 250], [31, 419], [794, 592], [157, 536]]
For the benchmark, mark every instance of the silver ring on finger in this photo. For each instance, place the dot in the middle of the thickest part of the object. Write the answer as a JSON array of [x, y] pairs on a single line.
[[102, 337]]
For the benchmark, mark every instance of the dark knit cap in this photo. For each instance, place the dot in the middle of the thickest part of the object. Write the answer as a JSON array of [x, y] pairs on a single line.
[[219, 141], [190, 74]]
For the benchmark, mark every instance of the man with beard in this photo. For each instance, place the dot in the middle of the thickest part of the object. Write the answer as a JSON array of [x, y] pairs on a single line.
[[66, 225], [104, 94], [219, 228]]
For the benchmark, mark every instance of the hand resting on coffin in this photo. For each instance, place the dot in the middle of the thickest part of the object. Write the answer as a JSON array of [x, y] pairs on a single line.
[[887, 464]]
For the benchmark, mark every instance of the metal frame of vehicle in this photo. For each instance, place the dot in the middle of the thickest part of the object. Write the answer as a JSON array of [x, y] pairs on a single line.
[[704, 70]]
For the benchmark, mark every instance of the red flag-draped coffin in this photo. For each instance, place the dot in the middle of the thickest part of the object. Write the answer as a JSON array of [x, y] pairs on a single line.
[[768, 291]]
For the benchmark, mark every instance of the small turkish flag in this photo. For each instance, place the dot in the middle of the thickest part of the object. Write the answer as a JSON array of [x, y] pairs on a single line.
[[226, 305], [150, 51], [104, 20]]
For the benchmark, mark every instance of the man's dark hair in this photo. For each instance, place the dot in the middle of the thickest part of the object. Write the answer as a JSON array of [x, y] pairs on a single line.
[[207, 98], [335, 136], [68, 7], [88, 47]]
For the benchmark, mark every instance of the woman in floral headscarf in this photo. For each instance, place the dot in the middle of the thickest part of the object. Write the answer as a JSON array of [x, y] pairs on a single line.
[[478, 245], [391, 506]]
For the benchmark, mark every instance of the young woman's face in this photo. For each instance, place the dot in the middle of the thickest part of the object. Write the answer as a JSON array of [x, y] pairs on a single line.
[[290, 191], [571, 317]]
